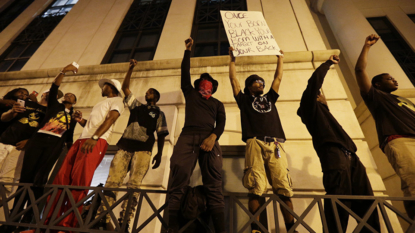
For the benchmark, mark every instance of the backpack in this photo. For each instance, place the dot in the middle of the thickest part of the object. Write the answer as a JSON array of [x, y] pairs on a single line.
[[193, 202]]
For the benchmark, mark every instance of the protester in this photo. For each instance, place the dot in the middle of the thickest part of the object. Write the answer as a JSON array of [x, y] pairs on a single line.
[[88, 151], [20, 123], [264, 137], [395, 122], [198, 141], [135, 146], [343, 173], [45, 146]]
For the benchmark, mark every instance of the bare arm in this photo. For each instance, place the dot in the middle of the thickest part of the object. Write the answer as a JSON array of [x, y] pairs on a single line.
[[278, 72], [126, 83], [12, 113], [59, 77], [89, 144], [160, 145], [362, 77], [236, 87]]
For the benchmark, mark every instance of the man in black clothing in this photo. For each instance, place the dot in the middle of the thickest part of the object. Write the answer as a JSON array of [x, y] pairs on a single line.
[[198, 141], [45, 146], [265, 158], [395, 122], [343, 173]]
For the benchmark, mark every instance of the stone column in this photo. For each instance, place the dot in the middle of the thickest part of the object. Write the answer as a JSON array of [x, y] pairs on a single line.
[[402, 23], [350, 28], [177, 28]]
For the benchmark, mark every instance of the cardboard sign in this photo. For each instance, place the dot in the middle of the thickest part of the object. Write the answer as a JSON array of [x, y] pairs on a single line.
[[248, 33]]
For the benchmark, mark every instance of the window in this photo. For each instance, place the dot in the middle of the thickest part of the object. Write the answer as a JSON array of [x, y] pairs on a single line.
[[139, 33], [412, 17], [208, 32], [402, 52], [11, 12], [30, 39]]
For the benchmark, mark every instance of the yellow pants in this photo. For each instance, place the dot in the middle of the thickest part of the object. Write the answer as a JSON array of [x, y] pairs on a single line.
[[263, 161]]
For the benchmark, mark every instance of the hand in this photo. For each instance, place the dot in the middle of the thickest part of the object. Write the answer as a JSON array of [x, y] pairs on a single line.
[[335, 59], [21, 145], [156, 161], [208, 143], [133, 63], [189, 43], [9, 102], [282, 54], [17, 108], [70, 67], [372, 39], [33, 97], [88, 146], [77, 116], [231, 54]]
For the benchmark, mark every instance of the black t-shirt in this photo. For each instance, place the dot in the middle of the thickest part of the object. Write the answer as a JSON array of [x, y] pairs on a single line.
[[58, 120], [24, 124], [144, 120], [4, 125], [259, 116], [394, 115]]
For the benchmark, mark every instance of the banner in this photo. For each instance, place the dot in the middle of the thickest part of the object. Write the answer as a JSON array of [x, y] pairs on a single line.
[[248, 33]]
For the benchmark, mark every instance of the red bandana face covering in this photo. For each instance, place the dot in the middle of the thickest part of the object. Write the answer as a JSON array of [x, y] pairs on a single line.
[[205, 89]]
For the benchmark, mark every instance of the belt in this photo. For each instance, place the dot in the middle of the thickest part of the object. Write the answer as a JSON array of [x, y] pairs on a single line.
[[270, 139]]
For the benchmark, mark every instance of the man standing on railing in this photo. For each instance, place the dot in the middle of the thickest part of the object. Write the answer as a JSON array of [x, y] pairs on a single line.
[[88, 151], [343, 173], [136, 145], [395, 122], [198, 141], [262, 131]]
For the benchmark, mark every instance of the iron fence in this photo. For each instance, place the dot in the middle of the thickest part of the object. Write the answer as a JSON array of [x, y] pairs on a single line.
[[87, 220]]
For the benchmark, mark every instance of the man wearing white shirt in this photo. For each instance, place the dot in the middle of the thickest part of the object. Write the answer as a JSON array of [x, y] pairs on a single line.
[[88, 151]]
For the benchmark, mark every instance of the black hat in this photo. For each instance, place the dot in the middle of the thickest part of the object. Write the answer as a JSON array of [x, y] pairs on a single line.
[[251, 79], [207, 76]]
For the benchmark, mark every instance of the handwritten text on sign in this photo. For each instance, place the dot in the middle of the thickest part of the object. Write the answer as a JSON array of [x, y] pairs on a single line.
[[249, 34]]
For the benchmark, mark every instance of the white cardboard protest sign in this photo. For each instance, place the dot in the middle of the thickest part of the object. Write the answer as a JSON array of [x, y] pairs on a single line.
[[248, 33]]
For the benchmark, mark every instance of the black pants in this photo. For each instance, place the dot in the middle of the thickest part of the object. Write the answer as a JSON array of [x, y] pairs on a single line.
[[41, 153], [347, 178], [182, 163]]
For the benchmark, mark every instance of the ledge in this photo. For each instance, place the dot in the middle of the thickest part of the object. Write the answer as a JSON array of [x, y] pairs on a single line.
[[290, 57]]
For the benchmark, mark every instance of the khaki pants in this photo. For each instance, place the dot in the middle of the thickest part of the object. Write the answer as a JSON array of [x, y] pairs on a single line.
[[262, 162], [401, 155], [140, 162]]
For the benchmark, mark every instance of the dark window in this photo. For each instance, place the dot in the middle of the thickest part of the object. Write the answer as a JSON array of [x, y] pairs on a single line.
[[208, 33], [402, 52], [139, 33], [412, 17], [11, 12], [30, 39]]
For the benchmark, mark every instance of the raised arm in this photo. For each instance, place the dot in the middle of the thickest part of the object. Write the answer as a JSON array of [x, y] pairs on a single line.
[[185, 81], [362, 77], [236, 87], [309, 99], [278, 72], [59, 77], [89, 144], [126, 83]]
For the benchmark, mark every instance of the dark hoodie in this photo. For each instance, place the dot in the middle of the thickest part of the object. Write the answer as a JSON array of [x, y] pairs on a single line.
[[322, 126]]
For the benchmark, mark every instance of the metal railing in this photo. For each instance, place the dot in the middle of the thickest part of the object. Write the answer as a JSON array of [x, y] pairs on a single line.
[[87, 220]]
